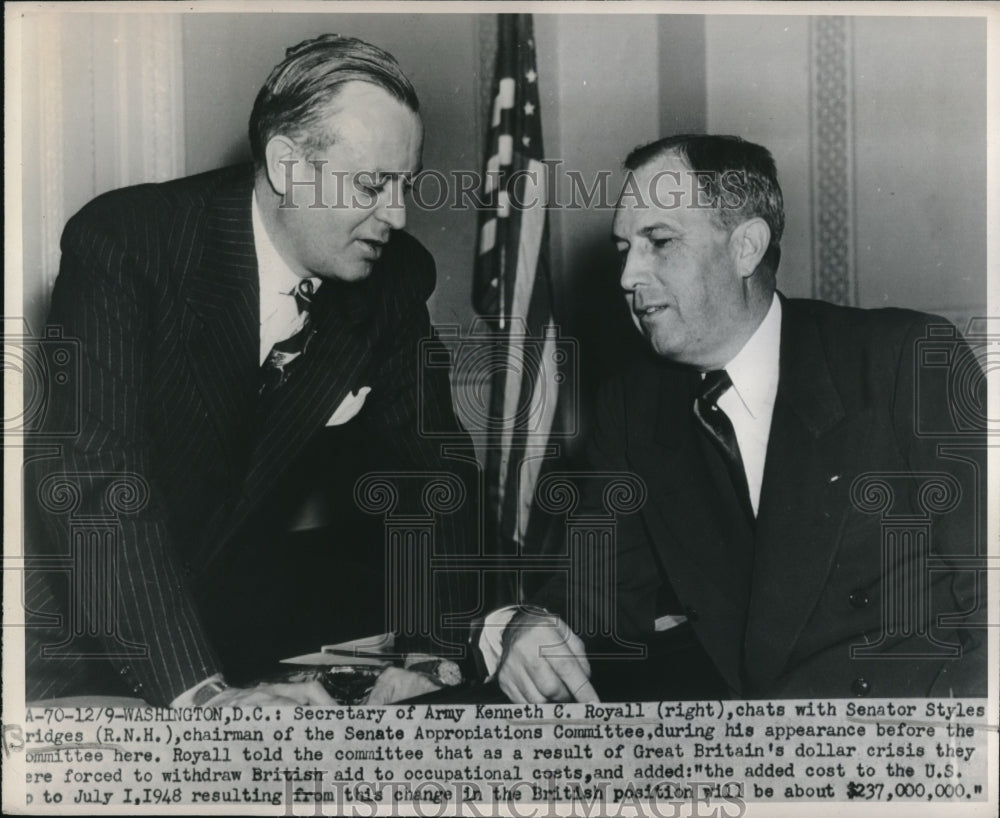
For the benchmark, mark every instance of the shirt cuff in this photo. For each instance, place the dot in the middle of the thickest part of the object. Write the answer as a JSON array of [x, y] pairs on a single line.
[[189, 696], [491, 638]]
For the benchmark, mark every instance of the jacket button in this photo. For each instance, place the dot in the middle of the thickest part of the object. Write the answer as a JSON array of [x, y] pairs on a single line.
[[861, 687], [691, 614], [125, 670], [138, 688], [859, 598]]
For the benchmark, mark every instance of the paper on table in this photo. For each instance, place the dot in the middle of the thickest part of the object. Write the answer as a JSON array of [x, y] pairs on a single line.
[[381, 643]]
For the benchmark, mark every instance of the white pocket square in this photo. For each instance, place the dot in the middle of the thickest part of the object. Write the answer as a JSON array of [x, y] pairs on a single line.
[[349, 407]]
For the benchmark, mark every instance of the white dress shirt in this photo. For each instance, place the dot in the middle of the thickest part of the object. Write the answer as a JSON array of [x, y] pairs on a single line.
[[279, 315], [749, 404]]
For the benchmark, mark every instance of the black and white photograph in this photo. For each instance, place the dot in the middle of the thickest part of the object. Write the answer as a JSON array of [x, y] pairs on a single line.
[[492, 408]]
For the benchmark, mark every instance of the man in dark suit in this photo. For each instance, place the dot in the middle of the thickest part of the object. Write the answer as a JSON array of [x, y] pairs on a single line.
[[249, 346], [801, 536]]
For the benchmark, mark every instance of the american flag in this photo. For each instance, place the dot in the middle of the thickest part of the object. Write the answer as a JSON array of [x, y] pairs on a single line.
[[513, 286]]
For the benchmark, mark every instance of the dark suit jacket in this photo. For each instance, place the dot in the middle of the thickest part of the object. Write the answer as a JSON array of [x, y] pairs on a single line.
[[159, 284], [778, 607]]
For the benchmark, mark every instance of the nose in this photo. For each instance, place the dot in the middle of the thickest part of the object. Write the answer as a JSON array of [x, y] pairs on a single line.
[[633, 270], [391, 207]]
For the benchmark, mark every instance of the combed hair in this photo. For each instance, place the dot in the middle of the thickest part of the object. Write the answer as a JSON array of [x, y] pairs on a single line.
[[716, 158], [296, 97]]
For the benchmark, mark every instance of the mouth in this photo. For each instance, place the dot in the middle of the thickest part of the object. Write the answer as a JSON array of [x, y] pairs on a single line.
[[649, 310], [372, 247]]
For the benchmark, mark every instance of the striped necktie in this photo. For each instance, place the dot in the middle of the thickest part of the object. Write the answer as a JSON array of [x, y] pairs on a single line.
[[278, 365], [720, 430]]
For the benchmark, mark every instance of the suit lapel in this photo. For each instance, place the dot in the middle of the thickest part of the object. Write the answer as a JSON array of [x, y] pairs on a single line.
[[803, 496], [688, 528], [223, 324], [222, 341], [335, 364]]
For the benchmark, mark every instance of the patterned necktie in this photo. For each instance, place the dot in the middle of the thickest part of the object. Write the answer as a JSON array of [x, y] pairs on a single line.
[[277, 367], [720, 429]]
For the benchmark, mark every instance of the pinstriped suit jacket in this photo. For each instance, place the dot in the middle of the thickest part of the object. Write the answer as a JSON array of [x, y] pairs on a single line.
[[159, 284]]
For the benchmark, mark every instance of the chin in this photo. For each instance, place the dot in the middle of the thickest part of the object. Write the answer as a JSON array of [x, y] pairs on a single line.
[[667, 348], [359, 273]]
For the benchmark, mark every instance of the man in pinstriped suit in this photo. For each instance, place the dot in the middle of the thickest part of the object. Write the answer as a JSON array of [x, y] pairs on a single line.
[[183, 297]]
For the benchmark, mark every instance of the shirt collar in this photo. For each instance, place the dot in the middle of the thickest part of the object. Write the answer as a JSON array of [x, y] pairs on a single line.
[[754, 370], [274, 275]]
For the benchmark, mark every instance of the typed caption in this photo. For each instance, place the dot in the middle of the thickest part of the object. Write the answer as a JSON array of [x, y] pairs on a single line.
[[647, 759]]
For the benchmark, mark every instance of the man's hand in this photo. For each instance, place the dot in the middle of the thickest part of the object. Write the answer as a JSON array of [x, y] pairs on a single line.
[[543, 661], [274, 694], [395, 684]]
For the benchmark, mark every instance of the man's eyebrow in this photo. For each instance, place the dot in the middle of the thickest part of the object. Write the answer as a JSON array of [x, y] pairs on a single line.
[[648, 230], [652, 228]]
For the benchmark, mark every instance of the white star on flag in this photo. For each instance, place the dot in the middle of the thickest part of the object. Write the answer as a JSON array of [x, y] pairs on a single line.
[[531, 76], [529, 109]]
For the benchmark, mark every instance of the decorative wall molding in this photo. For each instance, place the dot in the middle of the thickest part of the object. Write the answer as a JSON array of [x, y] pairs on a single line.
[[149, 110], [106, 97], [165, 69], [49, 98], [831, 156]]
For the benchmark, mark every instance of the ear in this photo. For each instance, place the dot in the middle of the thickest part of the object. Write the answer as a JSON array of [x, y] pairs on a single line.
[[749, 243], [280, 151]]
